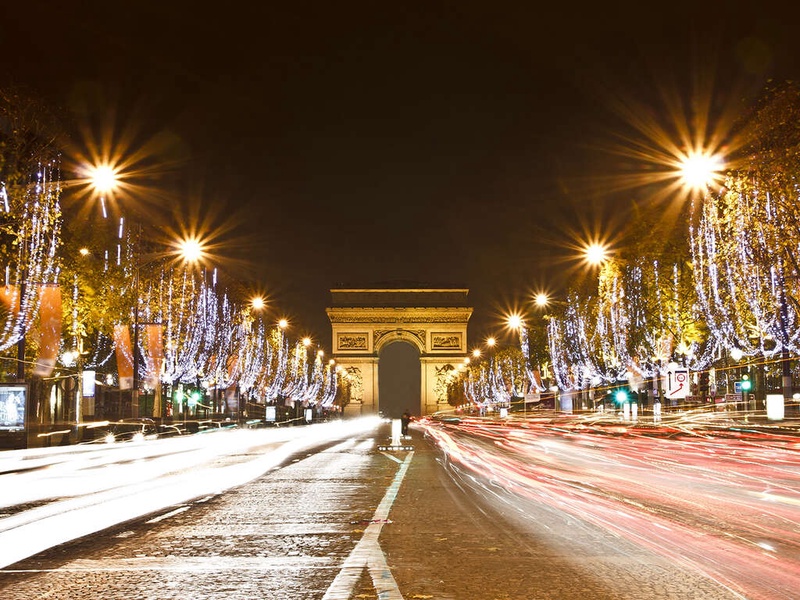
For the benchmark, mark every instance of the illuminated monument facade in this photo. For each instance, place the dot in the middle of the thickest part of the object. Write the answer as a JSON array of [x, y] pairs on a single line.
[[365, 321]]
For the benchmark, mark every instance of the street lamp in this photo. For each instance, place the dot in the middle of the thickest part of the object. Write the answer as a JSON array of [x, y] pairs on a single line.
[[514, 322], [257, 303], [104, 180], [595, 254], [191, 250], [188, 251], [698, 169]]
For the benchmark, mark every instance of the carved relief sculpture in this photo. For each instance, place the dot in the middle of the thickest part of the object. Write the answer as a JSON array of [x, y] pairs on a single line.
[[446, 341], [356, 384], [352, 341], [443, 375]]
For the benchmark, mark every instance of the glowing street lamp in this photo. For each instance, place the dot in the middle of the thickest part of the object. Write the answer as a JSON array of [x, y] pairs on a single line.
[[514, 322], [257, 303], [698, 169], [595, 253], [191, 250], [188, 251], [104, 179], [541, 300]]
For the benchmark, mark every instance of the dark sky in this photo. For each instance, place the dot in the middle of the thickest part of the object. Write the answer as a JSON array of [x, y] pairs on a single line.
[[445, 143]]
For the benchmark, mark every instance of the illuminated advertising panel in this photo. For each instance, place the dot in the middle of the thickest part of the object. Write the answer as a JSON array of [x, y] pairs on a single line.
[[12, 407]]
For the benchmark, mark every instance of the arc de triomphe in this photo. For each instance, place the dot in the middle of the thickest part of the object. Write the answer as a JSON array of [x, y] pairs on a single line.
[[365, 320]]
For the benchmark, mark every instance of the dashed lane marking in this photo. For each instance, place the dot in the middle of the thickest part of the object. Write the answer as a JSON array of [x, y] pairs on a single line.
[[171, 513], [368, 553]]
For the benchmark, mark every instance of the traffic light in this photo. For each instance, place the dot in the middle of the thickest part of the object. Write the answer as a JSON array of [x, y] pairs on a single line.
[[746, 383], [621, 396]]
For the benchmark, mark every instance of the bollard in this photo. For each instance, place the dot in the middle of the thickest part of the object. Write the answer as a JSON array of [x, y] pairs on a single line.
[[397, 436], [775, 407], [396, 432]]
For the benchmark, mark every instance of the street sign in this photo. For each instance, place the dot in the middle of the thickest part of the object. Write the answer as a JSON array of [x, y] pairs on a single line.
[[677, 384]]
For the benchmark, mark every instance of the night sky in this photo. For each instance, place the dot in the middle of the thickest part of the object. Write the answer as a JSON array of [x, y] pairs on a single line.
[[440, 143]]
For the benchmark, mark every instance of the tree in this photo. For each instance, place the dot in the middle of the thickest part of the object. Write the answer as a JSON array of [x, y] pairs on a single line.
[[745, 246], [30, 210]]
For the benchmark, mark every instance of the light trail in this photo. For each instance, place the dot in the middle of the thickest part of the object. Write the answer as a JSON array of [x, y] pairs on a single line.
[[724, 503], [104, 486]]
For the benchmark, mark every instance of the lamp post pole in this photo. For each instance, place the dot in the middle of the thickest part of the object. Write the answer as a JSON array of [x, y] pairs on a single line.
[[136, 276]]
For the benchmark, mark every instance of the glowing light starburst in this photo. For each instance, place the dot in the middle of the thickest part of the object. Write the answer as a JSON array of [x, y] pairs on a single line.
[[514, 321], [700, 169], [595, 253], [104, 178], [192, 250]]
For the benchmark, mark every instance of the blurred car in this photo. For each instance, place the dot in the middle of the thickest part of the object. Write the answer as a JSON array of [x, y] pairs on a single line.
[[165, 431], [446, 418], [132, 430], [127, 430], [208, 426]]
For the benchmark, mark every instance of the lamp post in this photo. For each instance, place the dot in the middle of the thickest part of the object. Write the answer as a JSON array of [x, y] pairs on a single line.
[[595, 254], [516, 323], [189, 251], [104, 179]]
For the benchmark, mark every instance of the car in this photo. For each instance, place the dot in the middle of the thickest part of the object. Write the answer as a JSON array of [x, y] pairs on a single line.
[[165, 431], [208, 426], [127, 430]]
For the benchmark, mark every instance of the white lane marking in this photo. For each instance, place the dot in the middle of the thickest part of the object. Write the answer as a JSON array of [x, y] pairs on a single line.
[[394, 458], [368, 553], [171, 513]]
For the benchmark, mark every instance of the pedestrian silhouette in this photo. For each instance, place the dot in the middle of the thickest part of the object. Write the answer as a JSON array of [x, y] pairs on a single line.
[[404, 421]]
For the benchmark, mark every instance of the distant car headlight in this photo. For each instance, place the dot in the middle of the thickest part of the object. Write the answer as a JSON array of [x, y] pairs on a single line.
[[109, 439], [138, 437]]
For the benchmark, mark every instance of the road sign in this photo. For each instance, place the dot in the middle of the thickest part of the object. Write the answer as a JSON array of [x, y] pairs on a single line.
[[677, 384]]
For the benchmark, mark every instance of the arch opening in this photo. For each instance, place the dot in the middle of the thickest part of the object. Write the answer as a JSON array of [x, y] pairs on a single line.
[[399, 379]]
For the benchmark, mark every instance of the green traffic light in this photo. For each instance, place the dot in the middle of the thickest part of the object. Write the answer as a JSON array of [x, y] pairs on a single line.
[[621, 396], [746, 383]]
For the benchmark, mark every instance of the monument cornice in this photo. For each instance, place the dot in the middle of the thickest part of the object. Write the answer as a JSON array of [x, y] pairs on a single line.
[[383, 315]]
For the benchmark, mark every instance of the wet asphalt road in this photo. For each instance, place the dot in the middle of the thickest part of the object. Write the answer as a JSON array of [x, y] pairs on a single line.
[[349, 521]]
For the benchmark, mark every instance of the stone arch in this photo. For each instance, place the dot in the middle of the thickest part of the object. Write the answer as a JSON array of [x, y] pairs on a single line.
[[399, 378], [365, 321], [385, 337]]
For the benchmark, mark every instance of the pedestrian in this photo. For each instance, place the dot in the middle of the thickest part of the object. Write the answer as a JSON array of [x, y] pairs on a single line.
[[404, 421]]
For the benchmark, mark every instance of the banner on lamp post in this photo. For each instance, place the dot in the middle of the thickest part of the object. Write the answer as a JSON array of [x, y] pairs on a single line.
[[124, 351], [9, 296], [50, 328], [155, 362], [155, 353]]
